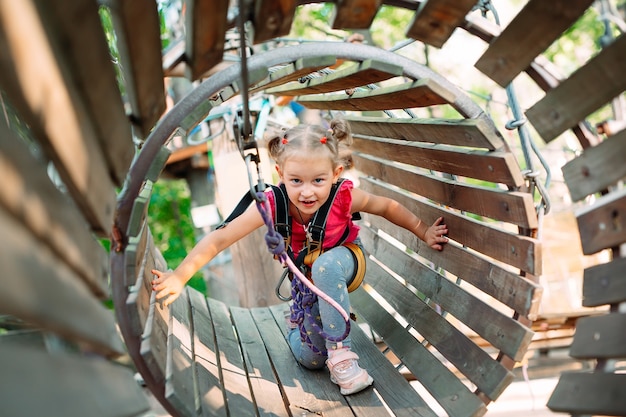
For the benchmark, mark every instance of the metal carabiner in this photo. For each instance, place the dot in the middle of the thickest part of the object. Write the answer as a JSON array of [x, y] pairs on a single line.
[[280, 283]]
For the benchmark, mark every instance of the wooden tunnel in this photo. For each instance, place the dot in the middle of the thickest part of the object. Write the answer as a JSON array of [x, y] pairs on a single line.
[[440, 332]]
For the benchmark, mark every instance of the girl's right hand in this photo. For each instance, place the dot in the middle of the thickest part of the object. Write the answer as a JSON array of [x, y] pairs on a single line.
[[167, 284]]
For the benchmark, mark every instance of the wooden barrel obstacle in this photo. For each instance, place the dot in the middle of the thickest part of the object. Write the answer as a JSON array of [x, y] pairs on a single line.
[[58, 288], [203, 357]]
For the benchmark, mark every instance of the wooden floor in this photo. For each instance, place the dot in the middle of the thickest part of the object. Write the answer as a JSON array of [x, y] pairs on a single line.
[[522, 398]]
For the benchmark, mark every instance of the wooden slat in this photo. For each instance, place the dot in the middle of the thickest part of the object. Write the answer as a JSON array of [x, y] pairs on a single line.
[[494, 203], [585, 91], [519, 251], [590, 394], [605, 283], [294, 71], [212, 400], [356, 75], [516, 47], [509, 288], [306, 390], [29, 195], [272, 18], [449, 391], [392, 386], [600, 337], [421, 93], [41, 289], [66, 385], [602, 225], [138, 32], [153, 348], [501, 331], [258, 365], [51, 103], [354, 14], [180, 376], [597, 167], [137, 221], [75, 31], [436, 20], [487, 374], [474, 133], [235, 382], [497, 167], [206, 25]]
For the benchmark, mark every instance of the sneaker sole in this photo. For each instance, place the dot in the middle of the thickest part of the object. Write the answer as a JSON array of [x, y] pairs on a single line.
[[357, 387]]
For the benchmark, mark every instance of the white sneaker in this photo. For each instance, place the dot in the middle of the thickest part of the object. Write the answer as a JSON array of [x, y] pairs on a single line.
[[346, 372]]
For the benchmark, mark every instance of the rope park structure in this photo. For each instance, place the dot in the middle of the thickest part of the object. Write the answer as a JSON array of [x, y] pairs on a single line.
[[453, 324]]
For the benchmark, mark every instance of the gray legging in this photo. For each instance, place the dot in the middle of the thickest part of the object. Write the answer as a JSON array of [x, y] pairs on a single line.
[[330, 272]]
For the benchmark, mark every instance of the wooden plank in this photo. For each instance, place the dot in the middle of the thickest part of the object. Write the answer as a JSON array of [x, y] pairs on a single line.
[[517, 292], [258, 365], [420, 93], [354, 14], [497, 167], [272, 18], [600, 337], [436, 20], [41, 289], [153, 348], [305, 390], [495, 203], [66, 385], [604, 283], [75, 32], [590, 393], [585, 91], [518, 251], [180, 375], [488, 375], [355, 75], [391, 385], [516, 47], [294, 71], [444, 386], [138, 32], [206, 25], [139, 212], [602, 225], [597, 167], [29, 195], [50, 103], [503, 332], [237, 389], [212, 399], [473, 133]]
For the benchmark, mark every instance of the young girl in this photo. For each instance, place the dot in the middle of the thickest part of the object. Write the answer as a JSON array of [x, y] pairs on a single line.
[[309, 160]]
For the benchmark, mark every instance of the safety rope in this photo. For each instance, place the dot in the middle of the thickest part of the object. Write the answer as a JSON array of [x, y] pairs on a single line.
[[304, 293]]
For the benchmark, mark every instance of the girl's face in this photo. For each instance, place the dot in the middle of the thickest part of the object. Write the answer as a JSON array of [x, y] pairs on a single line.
[[308, 179]]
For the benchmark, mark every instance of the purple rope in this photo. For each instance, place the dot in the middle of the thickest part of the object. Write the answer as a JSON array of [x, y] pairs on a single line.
[[303, 292]]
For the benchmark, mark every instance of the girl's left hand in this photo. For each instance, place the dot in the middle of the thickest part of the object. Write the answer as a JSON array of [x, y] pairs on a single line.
[[435, 235]]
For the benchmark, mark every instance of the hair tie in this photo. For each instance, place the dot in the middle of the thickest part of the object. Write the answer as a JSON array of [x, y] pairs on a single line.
[[284, 141], [323, 140]]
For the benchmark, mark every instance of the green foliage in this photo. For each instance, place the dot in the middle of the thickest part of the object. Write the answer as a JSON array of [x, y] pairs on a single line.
[[171, 225]]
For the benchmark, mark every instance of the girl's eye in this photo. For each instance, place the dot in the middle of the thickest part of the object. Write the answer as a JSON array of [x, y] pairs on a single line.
[[295, 181], [319, 180]]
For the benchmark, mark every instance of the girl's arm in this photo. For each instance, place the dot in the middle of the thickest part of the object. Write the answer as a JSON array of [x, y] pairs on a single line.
[[433, 235], [170, 283]]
